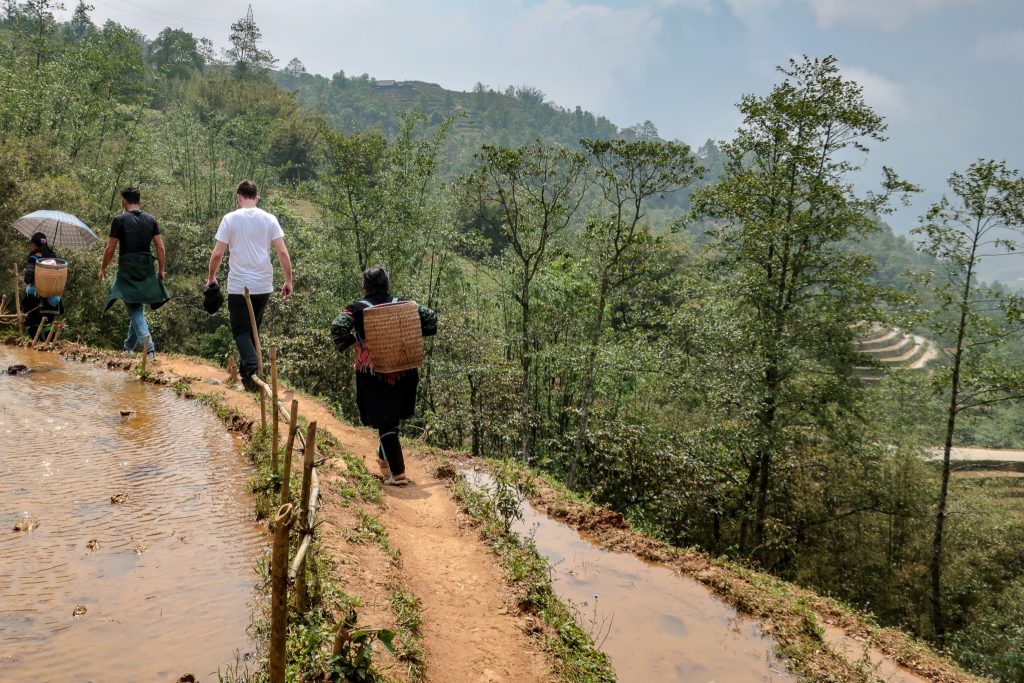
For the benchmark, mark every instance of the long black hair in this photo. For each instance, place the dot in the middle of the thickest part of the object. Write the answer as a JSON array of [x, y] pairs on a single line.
[[375, 281], [40, 244]]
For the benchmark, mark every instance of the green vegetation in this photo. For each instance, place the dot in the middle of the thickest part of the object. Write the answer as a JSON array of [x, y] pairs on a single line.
[[573, 649], [692, 371]]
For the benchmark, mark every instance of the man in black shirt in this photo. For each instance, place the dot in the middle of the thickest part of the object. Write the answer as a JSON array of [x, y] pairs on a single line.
[[132, 232]]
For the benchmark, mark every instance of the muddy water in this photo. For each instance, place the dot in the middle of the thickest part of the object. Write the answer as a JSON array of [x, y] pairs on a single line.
[[168, 585], [653, 624]]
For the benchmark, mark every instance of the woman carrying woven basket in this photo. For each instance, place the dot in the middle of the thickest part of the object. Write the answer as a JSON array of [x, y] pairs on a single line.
[[383, 398], [34, 306]]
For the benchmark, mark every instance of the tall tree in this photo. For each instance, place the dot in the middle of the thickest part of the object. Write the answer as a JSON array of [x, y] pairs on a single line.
[[245, 52], [984, 218], [175, 54], [81, 24], [627, 175], [538, 190], [780, 214]]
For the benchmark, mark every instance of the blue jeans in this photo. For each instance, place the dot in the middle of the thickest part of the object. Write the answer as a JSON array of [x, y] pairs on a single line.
[[138, 330]]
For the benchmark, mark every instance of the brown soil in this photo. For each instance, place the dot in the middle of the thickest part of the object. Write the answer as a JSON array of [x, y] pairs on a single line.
[[850, 639], [470, 630]]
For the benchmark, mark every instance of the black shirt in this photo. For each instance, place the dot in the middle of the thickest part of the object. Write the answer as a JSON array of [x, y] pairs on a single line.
[[135, 230]]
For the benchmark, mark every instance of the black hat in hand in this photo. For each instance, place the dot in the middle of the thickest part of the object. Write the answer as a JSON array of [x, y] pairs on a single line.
[[213, 298]]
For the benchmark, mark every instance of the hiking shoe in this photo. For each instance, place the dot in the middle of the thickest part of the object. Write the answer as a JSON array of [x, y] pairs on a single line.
[[248, 384], [152, 355]]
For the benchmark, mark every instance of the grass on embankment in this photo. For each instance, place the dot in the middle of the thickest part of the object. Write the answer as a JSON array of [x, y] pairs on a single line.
[[572, 649], [792, 616]]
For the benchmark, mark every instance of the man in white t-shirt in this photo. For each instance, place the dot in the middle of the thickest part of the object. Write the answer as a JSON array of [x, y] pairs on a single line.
[[247, 234]]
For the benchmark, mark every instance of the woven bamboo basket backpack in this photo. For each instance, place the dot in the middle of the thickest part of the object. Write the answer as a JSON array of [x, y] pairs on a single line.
[[394, 337], [51, 276]]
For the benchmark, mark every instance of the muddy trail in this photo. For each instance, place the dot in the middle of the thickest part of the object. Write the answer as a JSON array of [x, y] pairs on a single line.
[[654, 623], [136, 550]]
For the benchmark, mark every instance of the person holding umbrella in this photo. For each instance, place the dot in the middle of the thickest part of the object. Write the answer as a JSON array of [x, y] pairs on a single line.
[[48, 230], [37, 307], [136, 283]]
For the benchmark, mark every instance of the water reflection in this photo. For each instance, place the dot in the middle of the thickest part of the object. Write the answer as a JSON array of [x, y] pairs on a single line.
[[165, 574]]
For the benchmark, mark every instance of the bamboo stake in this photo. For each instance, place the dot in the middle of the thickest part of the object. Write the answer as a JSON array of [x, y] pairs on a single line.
[[60, 328], [145, 352], [17, 301], [262, 410], [53, 331], [255, 333], [279, 593], [307, 522], [259, 355], [300, 554], [275, 436], [264, 390], [286, 477], [39, 330]]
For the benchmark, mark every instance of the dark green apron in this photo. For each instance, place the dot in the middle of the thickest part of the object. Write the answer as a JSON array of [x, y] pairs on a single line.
[[136, 282]]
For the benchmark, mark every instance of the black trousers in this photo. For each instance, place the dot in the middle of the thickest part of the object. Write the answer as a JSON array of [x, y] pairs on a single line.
[[391, 448], [241, 329]]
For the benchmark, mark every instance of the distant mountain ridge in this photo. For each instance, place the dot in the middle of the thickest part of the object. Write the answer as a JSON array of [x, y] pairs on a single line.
[[515, 116]]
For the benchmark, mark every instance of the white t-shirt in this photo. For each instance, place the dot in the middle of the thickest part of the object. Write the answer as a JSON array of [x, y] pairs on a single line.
[[248, 234]]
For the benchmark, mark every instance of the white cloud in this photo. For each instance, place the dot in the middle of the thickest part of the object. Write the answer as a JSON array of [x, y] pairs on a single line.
[[580, 52], [885, 96], [1008, 45], [888, 14]]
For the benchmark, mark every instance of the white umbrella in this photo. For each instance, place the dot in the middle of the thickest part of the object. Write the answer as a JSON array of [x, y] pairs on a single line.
[[61, 229]]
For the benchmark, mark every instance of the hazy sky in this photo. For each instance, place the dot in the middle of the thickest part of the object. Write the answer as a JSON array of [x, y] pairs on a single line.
[[947, 74]]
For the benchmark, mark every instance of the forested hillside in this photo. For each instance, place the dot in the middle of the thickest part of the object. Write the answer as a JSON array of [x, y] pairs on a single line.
[[671, 331]]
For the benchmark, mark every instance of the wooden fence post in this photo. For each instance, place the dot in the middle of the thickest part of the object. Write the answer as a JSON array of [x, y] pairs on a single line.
[[279, 593], [289, 446], [305, 521], [39, 330], [259, 355], [145, 352], [17, 301], [255, 333], [275, 437]]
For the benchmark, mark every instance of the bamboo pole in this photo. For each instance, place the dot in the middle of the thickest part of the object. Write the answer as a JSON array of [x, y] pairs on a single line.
[[145, 352], [60, 328], [259, 355], [53, 331], [300, 554], [307, 522], [264, 389], [255, 333], [17, 301], [39, 330], [275, 436], [286, 477], [279, 593]]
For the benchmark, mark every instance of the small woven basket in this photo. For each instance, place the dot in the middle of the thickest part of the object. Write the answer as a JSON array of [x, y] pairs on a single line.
[[394, 337], [50, 278]]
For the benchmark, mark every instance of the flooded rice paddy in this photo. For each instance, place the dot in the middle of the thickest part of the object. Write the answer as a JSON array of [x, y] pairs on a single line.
[[127, 542], [653, 624]]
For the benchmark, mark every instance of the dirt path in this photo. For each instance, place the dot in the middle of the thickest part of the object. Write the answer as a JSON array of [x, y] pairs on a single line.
[[469, 629]]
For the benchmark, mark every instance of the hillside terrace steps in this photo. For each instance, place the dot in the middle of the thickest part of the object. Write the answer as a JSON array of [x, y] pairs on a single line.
[[900, 348], [892, 348], [881, 341]]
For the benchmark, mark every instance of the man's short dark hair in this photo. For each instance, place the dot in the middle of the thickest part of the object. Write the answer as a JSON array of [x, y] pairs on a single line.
[[375, 281], [131, 195], [247, 189]]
